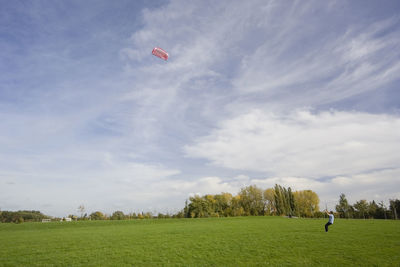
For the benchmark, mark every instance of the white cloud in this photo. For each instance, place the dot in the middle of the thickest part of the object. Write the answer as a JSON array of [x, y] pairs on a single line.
[[58, 182], [303, 143], [201, 186]]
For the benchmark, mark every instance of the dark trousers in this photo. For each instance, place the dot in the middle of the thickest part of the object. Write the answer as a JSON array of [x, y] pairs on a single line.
[[326, 226]]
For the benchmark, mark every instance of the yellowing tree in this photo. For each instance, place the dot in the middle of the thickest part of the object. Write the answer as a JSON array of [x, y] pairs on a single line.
[[269, 201], [307, 202], [223, 204], [251, 199]]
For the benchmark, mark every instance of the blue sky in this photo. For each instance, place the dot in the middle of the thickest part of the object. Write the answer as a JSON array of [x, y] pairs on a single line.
[[300, 93]]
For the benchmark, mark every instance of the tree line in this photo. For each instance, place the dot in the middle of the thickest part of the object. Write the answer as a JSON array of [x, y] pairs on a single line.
[[22, 216], [254, 201], [119, 215], [363, 209], [250, 201], [36, 216], [281, 201]]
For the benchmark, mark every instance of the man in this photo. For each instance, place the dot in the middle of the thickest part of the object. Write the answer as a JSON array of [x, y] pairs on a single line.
[[331, 219]]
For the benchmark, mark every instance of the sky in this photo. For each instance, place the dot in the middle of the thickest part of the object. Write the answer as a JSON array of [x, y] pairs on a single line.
[[303, 94]]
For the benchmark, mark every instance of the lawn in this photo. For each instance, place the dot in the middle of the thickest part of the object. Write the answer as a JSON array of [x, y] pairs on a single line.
[[240, 241]]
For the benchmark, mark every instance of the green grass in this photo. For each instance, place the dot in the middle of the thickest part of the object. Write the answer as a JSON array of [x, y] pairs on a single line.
[[240, 241]]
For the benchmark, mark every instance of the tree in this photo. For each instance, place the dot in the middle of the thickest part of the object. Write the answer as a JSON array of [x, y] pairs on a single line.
[[269, 201], [307, 203], [81, 210], [343, 208], [199, 207], [280, 201], [237, 209], [22, 216], [19, 220], [149, 215], [372, 209], [163, 216], [251, 199], [210, 205], [117, 215], [292, 203], [361, 208], [186, 210], [223, 203], [133, 215], [381, 211], [395, 208], [97, 216]]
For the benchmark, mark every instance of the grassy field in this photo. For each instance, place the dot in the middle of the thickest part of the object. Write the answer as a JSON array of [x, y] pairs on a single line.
[[240, 241]]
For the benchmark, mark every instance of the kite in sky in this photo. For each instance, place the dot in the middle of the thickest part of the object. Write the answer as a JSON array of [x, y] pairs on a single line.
[[158, 52]]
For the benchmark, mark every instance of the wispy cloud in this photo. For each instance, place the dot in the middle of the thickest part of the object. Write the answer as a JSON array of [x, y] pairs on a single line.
[[307, 67]]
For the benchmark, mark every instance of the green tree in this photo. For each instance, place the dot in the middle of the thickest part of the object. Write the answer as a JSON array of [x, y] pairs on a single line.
[[97, 215], [186, 210], [162, 216], [343, 208], [251, 199], [200, 206], [148, 215], [237, 209], [361, 208], [210, 205], [133, 215], [223, 204], [395, 208], [25, 215], [19, 219], [292, 203], [280, 201], [372, 209], [381, 211], [117, 215]]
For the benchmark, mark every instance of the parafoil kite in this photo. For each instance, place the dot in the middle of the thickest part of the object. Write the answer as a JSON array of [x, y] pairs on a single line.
[[158, 52]]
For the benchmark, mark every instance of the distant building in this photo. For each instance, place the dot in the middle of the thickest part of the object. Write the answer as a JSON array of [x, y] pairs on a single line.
[[67, 219]]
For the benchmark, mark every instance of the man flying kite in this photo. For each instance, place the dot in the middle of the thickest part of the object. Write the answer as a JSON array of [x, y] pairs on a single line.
[[331, 219]]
